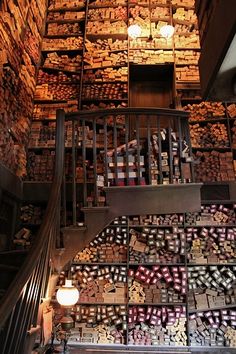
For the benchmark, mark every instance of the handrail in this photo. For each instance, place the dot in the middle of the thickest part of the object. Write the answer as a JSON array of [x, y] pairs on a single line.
[[127, 110], [16, 288], [127, 146]]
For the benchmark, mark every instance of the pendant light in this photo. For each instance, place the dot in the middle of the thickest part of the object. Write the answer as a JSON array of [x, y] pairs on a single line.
[[167, 31], [134, 31]]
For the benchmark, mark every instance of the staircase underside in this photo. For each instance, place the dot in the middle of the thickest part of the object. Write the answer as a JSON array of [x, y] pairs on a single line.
[[135, 200]]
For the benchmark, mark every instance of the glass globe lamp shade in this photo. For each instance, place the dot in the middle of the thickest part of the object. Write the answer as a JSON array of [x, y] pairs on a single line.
[[67, 295], [167, 31], [134, 31]]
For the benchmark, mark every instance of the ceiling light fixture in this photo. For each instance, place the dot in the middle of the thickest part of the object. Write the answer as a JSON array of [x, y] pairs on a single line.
[[134, 31], [167, 31]]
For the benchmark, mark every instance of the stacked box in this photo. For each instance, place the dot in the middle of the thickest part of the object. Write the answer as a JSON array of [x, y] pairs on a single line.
[[99, 284], [213, 214], [66, 15], [60, 77], [48, 111], [187, 73], [61, 92], [108, 13], [142, 56], [213, 328], [40, 166], [211, 287], [157, 284], [211, 244], [31, 214], [205, 110], [153, 325], [150, 245], [214, 166], [71, 43], [110, 246], [100, 324], [108, 74], [65, 4], [209, 136], [161, 220], [162, 163], [64, 62], [119, 162], [106, 27], [55, 29]]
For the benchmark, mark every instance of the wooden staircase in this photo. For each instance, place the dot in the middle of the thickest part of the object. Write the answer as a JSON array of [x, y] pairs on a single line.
[[135, 200]]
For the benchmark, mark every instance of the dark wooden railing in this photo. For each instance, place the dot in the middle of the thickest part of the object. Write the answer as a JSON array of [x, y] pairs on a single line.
[[125, 147], [119, 147], [20, 304]]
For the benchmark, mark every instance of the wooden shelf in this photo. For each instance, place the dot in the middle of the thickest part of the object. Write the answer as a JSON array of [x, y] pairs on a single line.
[[62, 50], [213, 308], [66, 21], [63, 9], [58, 69], [56, 36]]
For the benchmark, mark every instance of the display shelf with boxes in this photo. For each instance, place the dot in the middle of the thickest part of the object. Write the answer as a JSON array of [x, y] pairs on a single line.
[[101, 283], [211, 287], [157, 284], [213, 328], [105, 74], [157, 326], [159, 245], [212, 141], [192, 278], [21, 28], [107, 247]]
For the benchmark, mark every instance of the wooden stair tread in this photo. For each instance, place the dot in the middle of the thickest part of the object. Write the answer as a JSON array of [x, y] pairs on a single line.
[[74, 228], [95, 209]]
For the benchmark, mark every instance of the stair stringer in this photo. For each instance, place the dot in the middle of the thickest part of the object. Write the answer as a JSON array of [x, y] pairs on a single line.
[[138, 200], [77, 238]]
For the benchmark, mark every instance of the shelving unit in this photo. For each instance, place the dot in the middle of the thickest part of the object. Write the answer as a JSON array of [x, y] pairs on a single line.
[[164, 300], [212, 136], [21, 28]]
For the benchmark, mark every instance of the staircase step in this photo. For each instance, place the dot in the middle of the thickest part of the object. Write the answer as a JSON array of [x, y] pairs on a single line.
[[95, 209], [74, 228], [13, 258]]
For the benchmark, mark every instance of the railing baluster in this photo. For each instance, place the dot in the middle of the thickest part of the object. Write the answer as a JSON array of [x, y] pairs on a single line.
[[126, 149], [138, 145], [185, 126], [63, 198], [159, 150], [33, 292], [73, 174], [105, 152], [180, 148], [8, 326], [85, 184], [95, 161], [170, 151], [149, 167], [115, 149], [21, 318]]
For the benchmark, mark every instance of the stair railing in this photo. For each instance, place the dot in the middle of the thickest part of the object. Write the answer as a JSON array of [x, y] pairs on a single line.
[[20, 304], [125, 147]]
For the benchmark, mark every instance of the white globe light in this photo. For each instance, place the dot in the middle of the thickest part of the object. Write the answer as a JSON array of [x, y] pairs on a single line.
[[167, 31], [134, 31], [68, 294]]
